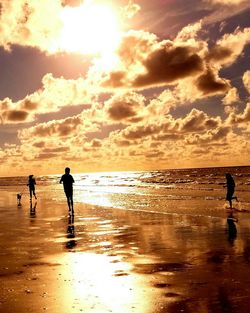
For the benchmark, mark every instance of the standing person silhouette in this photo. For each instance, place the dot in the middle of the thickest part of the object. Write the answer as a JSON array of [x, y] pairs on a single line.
[[230, 189], [68, 181], [31, 184]]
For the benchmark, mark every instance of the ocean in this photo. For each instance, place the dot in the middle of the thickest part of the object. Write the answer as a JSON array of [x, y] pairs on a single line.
[[196, 191]]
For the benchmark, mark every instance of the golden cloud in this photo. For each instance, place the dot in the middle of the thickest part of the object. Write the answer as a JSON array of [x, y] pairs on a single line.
[[246, 80], [125, 107], [30, 23], [54, 94]]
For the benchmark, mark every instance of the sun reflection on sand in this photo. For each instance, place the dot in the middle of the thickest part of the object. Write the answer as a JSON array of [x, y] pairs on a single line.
[[104, 284]]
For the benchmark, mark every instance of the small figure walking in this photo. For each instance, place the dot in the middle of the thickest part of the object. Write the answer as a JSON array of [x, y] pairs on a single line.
[[19, 197], [230, 189], [31, 184], [68, 181]]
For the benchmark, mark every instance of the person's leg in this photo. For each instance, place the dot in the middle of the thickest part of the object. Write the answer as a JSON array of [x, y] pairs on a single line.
[[30, 194], [34, 193], [235, 198], [72, 205], [68, 201]]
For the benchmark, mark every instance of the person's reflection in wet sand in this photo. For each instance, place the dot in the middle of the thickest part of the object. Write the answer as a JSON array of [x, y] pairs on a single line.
[[232, 230], [71, 233], [33, 209]]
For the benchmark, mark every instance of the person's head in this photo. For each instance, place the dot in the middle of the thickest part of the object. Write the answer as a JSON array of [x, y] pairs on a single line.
[[67, 170], [228, 176], [31, 176]]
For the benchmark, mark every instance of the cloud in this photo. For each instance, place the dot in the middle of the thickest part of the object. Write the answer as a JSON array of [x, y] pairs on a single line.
[[146, 62], [230, 100], [54, 94], [229, 47], [162, 104], [15, 116], [197, 121], [125, 107], [28, 23], [60, 128], [167, 128], [10, 113], [246, 80], [241, 118], [167, 65], [227, 2], [223, 10], [210, 83], [209, 137], [130, 10]]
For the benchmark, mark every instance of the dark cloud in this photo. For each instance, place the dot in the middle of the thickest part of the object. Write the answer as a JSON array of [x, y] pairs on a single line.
[[150, 63], [168, 137], [15, 116], [126, 106], [55, 150], [209, 84], [96, 143], [218, 53], [29, 105], [166, 66], [43, 156], [123, 143], [154, 154], [39, 144], [121, 110], [161, 67], [72, 3]]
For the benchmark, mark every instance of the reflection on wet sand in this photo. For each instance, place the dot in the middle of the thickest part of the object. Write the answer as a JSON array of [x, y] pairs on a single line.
[[33, 209], [107, 260], [232, 230], [71, 233]]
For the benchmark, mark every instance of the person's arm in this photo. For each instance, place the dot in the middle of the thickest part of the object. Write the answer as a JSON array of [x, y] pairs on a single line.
[[73, 179], [61, 180]]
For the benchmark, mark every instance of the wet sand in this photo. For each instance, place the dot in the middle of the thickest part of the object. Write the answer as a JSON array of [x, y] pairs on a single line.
[[114, 260]]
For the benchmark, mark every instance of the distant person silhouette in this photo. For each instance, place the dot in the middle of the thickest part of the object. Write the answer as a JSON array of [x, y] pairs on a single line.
[[68, 181], [230, 189], [232, 230], [31, 184]]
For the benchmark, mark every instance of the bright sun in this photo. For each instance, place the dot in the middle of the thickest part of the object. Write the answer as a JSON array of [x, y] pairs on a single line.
[[89, 29]]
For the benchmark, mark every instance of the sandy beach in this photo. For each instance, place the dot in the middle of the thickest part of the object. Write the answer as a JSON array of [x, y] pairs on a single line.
[[115, 260]]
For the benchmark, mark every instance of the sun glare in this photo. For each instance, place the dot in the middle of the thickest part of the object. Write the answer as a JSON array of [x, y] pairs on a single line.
[[89, 29]]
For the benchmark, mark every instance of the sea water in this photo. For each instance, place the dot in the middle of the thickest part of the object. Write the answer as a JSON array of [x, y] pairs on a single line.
[[196, 191]]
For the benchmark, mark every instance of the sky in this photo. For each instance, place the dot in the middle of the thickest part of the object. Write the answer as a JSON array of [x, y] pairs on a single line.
[[123, 85]]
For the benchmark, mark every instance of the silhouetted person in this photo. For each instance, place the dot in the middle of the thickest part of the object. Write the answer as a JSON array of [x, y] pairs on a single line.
[[68, 181], [31, 184], [232, 230], [230, 189]]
